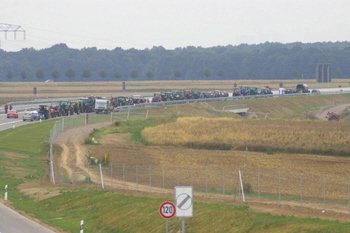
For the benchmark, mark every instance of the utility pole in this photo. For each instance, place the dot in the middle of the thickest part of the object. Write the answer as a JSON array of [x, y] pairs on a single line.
[[4, 27]]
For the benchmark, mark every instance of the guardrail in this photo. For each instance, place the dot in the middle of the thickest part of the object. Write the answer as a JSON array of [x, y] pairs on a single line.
[[144, 105]]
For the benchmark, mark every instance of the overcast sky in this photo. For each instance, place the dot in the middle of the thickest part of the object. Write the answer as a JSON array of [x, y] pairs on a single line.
[[140, 24]]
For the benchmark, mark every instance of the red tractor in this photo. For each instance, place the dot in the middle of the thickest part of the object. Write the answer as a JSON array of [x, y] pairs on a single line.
[[236, 92], [333, 116], [157, 97]]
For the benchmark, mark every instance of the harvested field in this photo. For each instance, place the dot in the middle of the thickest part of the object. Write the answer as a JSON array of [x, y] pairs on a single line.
[[296, 136]]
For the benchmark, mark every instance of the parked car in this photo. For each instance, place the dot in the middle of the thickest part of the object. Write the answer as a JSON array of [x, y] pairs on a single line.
[[32, 115], [316, 92], [12, 113]]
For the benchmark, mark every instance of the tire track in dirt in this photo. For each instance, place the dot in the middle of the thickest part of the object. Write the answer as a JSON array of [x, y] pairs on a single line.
[[74, 159]]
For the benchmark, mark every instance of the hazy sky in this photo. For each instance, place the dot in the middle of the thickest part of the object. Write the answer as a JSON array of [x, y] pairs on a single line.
[[107, 24]]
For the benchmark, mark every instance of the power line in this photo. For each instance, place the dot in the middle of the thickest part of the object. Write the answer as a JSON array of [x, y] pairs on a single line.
[[4, 27]]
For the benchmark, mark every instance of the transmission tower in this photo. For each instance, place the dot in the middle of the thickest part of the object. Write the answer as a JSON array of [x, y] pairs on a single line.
[[4, 27]]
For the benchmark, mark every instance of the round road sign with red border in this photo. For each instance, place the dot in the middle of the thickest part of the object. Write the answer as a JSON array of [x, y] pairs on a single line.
[[167, 210]]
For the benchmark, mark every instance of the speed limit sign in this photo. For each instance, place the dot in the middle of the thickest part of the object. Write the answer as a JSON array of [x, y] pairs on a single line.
[[167, 210]]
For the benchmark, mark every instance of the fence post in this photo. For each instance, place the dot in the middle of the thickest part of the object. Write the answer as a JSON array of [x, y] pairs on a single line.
[[348, 194], [279, 187], [101, 175], [111, 175], [137, 179], [147, 115], [124, 175], [301, 189], [192, 176], [89, 173], [150, 178], [128, 115], [206, 181], [163, 176], [223, 181], [177, 175], [324, 191], [259, 185]]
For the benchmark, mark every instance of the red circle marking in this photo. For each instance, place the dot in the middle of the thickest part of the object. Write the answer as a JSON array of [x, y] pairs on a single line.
[[167, 210]]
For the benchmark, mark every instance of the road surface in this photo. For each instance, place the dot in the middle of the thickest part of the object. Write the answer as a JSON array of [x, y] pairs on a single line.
[[11, 221]]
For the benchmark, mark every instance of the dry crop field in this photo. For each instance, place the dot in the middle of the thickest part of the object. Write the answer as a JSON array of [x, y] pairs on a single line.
[[292, 136], [24, 90]]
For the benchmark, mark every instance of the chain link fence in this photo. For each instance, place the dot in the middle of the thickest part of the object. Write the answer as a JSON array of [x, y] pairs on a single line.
[[319, 191], [303, 189]]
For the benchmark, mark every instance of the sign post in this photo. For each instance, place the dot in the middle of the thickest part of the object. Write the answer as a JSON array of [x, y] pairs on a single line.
[[167, 210], [184, 203]]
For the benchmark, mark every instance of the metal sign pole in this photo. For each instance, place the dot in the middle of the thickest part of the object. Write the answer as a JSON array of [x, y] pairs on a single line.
[[167, 225], [183, 225]]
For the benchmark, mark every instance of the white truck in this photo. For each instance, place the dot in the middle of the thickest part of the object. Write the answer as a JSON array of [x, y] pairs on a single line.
[[103, 106]]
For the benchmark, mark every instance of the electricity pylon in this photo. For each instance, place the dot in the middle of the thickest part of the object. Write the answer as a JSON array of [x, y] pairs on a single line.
[[4, 27]]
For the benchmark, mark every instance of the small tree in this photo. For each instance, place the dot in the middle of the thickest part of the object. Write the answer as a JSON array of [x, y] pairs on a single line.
[[117, 75], [235, 85], [220, 73], [10, 75], [150, 74], [23, 74], [103, 74], [55, 74], [177, 73], [86, 73], [70, 73], [207, 72], [281, 84], [134, 73], [40, 74]]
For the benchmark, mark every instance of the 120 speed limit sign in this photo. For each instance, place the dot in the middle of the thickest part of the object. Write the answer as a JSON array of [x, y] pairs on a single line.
[[167, 210]]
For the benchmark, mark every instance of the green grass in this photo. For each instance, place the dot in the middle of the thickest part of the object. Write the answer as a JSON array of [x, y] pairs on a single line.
[[106, 211], [29, 138]]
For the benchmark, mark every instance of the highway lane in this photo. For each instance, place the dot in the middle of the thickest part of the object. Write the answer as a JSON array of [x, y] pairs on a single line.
[[11, 221]]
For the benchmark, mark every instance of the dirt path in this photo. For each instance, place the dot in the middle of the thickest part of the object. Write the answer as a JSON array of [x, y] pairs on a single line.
[[322, 112]]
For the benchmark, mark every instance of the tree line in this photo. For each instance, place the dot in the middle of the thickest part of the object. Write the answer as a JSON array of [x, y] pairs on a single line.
[[267, 61]]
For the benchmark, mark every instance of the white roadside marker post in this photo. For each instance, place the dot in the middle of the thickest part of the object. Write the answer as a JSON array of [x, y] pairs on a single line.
[[6, 190], [82, 226]]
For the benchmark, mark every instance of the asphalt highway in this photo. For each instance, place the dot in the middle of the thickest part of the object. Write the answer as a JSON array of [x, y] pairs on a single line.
[[11, 221]]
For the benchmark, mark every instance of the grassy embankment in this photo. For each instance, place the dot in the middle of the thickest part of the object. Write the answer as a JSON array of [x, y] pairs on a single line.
[[22, 159]]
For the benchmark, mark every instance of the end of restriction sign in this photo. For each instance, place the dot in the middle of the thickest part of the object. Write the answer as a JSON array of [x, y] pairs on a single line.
[[167, 210]]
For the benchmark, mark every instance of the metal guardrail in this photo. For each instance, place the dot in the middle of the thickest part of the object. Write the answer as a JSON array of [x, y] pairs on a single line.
[[145, 105]]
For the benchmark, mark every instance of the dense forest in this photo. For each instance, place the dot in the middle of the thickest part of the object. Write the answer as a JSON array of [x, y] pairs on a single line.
[[269, 61]]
